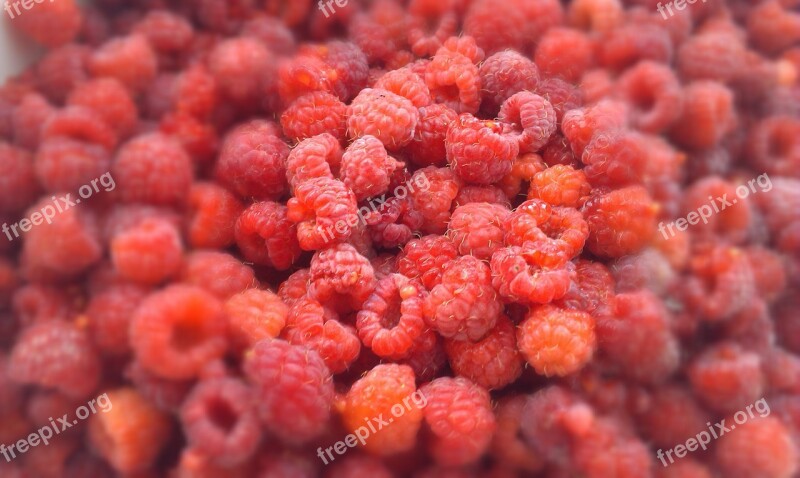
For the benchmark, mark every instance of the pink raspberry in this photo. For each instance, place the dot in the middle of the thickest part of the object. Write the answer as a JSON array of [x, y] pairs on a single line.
[[383, 114], [213, 211], [367, 168], [454, 80], [314, 157], [532, 116], [434, 201], [477, 228], [557, 341], [404, 82], [620, 222], [427, 148], [219, 273], [525, 276], [478, 151], [129, 59], [313, 114], [153, 169], [64, 164], [557, 233], [325, 212], [504, 74], [424, 258], [340, 274], [149, 253], [243, 68], [726, 377]]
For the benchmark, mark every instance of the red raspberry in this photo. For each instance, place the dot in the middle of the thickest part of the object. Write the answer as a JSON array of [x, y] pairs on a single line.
[[564, 53], [18, 185], [637, 338], [492, 362], [219, 420], [148, 253], [125, 216], [301, 75], [737, 457], [534, 118], [367, 168], [504, 74], [773, 146], [769, 274], [561, 186], [477, 228], [166, 31], [620, 222], [385, 115], [707, 115], [51, 24], [340, 274], [380, 31], [629, 44], [582, 125], [272, 32], [672, 414], [177, 331], [558, 233], [325, 212], [80, 123], [374, 399], [165, 394], [482, 194], [406, 83], [711, 56], [295, 389], [464, 45], [153, 169], [254, 315], [454, 80], [464, 306], [359, 466], [726, 377], [348, 61], [427, 148], [109, 313], [507, 444], [252, 161], [64, 164], [29, 118], [562, 95], [478, 151], [427, 356], [430, 24], [265, 235], [494, 30], [523, 168], [131, 434], [721, 283], [734, 218], [773, 27], [616, 159], [61, 69], [195, 92], [318, 328], [654, 93], [242, 68], [608, 449], [294, 287], [35, 303], [391, 318], [313, 114], [314, 157], [55, 355], [219, 273], [213, 214], [129, 59], [557, 341], [424, 258], [199, 139], [110, 100], [458, 441], [526, 276]]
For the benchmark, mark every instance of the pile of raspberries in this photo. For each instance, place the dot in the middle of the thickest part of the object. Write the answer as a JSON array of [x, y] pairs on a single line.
[[317, 213]]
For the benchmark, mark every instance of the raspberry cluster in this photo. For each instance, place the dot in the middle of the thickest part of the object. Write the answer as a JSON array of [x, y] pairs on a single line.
[[447, 234]]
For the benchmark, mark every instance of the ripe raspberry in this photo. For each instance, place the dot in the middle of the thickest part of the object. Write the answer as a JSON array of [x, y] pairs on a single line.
[[457, 440], [195, 92], [348, 61], [129, 59], [726, 377], [424, 258], [219, 273], [482, 194], [580, 126], [376, 396], [314, 157], [265, 236], [523, 168], [557, 341], [492, 362], [527, 276], [477, 228], [294, 287], [393, 223], [380, 31], [302, 75], [654, 94], [18, 185], [110, 100], [427, 356], [385, 115], [166, 31], [109, 314], [242, 68], [464, 306], [61, 69], [34, 303], [532, 116], [504, 74], [165, 394], [454, 81], [561, 186], [711, 56], [616, 159], [629, 44], [219, 420], [636, 337], [254, 315], [153, 169], [325, 212], [359, 466], [562, 95], [404, 82], [558, 42], [55, 355], [132, 434], [80, 123], [340, 274], [367, 168], [734, 218], [608, 449], [294, 389], [478, 151], [707, 115], [212, 215], [64, 164], [252, 161], [314, 114], [769, 272], [28, 119], [773, 27], [199, 139], [427, 148], [51, 24], [620, 222], [493, 30], [557, 233], [391, 318], [736, 453], [430, 24], [272, 32], [148, 253], [773, 147], [177, 331], [507, 444], [672, 414]]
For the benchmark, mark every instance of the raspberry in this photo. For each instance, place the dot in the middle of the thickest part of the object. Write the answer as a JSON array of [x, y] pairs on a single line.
[[523, 168], [199, 139], [254, 315], [482, 194], [132, 434], [494, 31], [464, 306], [464, 45], [55, 355], [551, 50], [195, 92], [129, 59], [773, 147], [165, 394], [78, 122], [393, 223], [707, 115], [219, 420], [654, 93], [404, 82], [153, 169], [294, 287], [148, 253], [367, 168], [769, 274], [558, 233], [478, 151], [504, 74], [477, 228], [314, 157], [177, 331], [636, 337], [314, 114], [61, 69], [166, 31], [599, 16], [430, 24], [375, 396], [454, 80], [557, 341], [424, 258], [64, 164], [29, 119], [648, 269], [427, 148], [507, 443], [272, 32], [427, 356], [213, 214], [773, 27], [340, 274], [629, 44], [391, 318], [51, 24], [380, 31], [721, 283], [615, 159], [726, 377], [109, 313], [608, 449], [359, 466], [526, 276], [533, 116], [349, 63], [581, 126], [733, 220], [620, 222], [385, 115], [561, 186], [711, 56], [735, 452], [492, 362], [294, 389], [18, 185], [219, 273], [672, 415], [302, 75], [457, 440], [562, 95], [252, 161], [110, 100], [35, 303], [265, 236], [242, 68], [325, 212]]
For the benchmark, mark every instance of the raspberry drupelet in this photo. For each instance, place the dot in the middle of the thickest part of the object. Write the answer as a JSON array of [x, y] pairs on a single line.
[[492, 362], [479, 151]]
